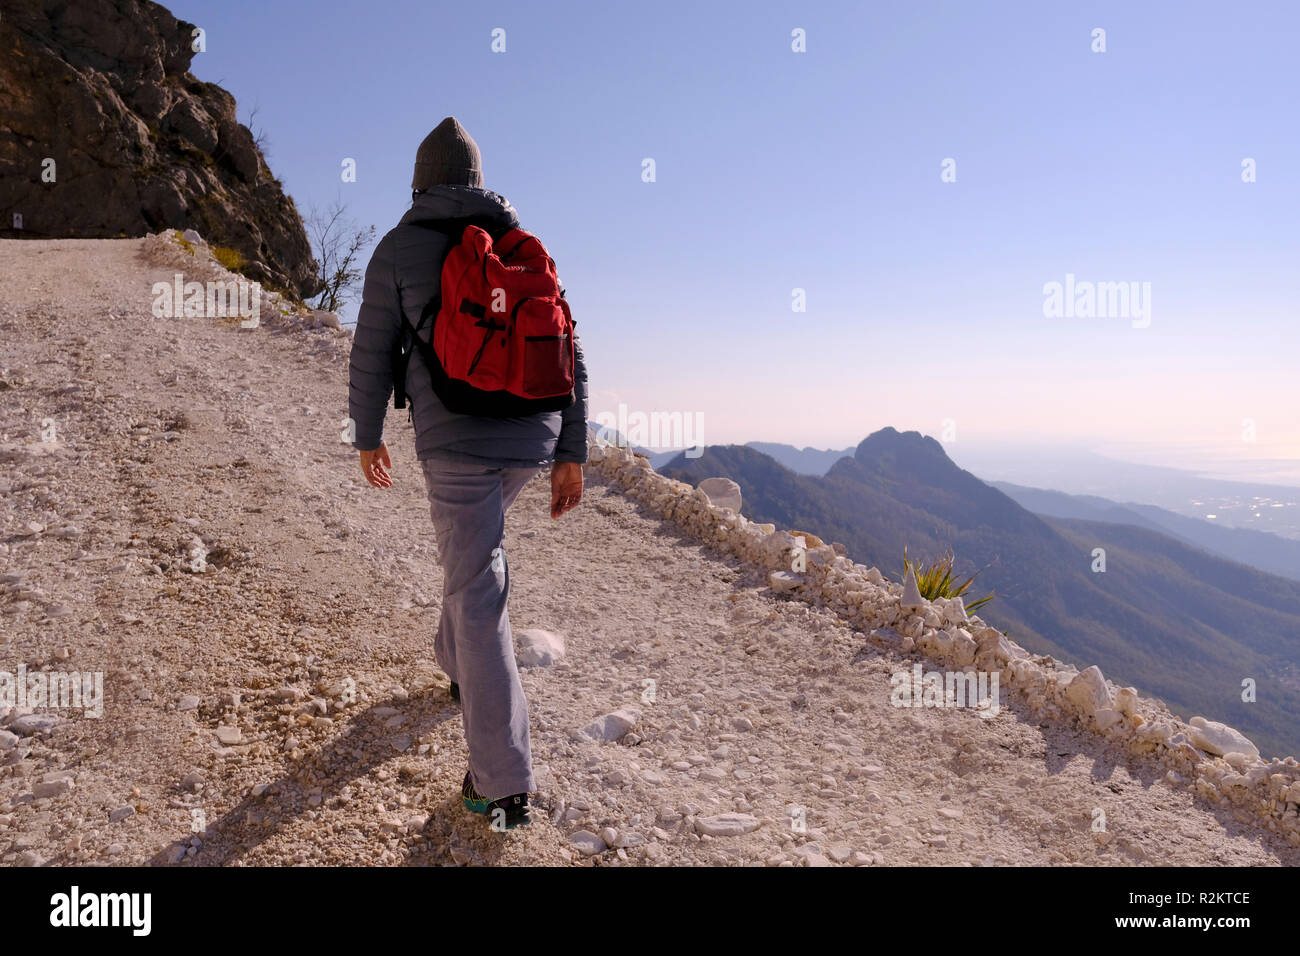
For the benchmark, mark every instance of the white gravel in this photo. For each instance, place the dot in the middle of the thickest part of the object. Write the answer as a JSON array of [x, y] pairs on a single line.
[[281, 706]]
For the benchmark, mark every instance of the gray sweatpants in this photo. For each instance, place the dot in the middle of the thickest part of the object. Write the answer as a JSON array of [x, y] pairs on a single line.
[[474, 645]]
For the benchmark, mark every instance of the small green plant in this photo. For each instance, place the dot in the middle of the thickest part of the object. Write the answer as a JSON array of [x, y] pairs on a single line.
[[185, 243], [937, 581], [230, 258]]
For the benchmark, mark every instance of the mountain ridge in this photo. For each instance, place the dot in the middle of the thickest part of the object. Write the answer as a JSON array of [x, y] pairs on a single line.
[[1263, 550], [900, 490]]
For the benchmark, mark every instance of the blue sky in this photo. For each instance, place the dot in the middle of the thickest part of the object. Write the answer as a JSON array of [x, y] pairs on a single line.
[[821, 170]]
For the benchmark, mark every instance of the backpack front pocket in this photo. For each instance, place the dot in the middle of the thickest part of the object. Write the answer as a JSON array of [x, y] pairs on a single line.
[[548, 365]]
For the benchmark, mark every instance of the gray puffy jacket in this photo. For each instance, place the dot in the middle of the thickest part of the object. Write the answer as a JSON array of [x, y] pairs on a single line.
[[410, 258]]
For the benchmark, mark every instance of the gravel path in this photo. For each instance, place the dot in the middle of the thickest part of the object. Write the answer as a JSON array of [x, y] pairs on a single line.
[[282, 705]]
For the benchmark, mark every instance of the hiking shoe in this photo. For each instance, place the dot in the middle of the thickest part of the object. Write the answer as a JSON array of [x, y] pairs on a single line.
[[514, 809], [475, 802], [455, 691], [510, 812]]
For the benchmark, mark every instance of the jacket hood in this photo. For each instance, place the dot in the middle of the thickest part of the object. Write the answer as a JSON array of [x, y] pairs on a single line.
[[453, 202]]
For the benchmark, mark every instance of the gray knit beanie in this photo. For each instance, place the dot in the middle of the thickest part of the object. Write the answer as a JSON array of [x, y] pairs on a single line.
[[448, 156]]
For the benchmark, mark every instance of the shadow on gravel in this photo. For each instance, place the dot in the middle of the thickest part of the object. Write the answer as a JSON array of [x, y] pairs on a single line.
[[1064, 743], [1060, 745], [362, 748]]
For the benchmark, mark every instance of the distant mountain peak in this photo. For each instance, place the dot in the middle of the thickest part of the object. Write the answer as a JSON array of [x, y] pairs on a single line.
[[890, 440]]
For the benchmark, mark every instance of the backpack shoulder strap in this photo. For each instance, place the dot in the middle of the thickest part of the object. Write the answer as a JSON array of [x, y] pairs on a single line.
[[409, 338]]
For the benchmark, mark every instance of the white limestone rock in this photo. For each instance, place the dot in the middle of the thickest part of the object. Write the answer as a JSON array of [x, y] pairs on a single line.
[[1238, 761], [785, 581], [1088, 692], [721, 492], [777, 543], [32, 724], [535, 647], [588, 843], [52, 788], [611, 727], [994, 643], [964, 648], [821, 556], [812, 855], [911, 593], [1216, 738], [1126, 699], [936, 643], [726, 824], [1107, 718], [954, 611]]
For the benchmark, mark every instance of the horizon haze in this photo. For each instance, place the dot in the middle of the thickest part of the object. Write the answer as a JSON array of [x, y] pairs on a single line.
[[924, 180]]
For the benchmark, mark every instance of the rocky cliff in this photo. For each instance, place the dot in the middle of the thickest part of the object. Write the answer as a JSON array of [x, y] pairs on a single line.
[[105, 133]]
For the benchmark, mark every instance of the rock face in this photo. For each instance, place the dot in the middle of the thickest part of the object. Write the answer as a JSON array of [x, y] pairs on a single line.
[[104, 133]]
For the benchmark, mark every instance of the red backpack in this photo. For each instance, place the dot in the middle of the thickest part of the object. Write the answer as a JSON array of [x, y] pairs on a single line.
[[501, 341]]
